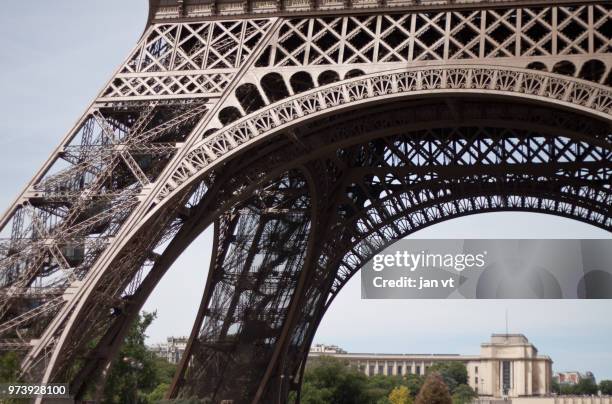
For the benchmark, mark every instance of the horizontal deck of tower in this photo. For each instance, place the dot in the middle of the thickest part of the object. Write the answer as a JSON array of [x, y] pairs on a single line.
[[172, 10]]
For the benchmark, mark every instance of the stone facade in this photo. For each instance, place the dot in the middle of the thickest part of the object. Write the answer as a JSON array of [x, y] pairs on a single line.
[[172, 350], [508, 366]]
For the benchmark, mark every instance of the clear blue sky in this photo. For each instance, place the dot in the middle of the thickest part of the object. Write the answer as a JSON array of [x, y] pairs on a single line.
[[58, 54]]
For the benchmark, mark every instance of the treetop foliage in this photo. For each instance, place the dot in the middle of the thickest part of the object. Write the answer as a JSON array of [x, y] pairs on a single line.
[[400, 395], [329, 380], [434, 391], [137, 376], [605, 386]]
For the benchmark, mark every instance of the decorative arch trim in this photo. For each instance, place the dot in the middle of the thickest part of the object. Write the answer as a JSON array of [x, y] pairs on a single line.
[[546, 88], [351, 263]]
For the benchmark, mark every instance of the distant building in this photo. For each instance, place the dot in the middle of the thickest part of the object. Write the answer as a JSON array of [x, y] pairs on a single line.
[[321, 348], [508, 366], [573, 377], [172, 350]]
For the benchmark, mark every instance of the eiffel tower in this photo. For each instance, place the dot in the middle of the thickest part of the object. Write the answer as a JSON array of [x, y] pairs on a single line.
[[310, 135]]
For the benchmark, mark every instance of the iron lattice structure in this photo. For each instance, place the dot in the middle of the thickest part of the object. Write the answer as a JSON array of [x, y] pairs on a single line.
[[310, 135]]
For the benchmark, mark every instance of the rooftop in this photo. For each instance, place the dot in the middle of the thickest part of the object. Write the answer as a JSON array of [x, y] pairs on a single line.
[[433, 357], [509, 339]]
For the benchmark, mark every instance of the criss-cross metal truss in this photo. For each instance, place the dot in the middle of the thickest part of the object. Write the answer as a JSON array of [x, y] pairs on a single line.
[[310, 135]]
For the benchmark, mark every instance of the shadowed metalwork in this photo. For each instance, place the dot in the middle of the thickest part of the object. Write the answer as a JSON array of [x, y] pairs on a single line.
[[310, 135]]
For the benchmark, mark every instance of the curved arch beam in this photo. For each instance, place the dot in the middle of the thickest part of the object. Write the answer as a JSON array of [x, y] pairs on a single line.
[[546, 88], [441, 209], [379, 88], [164, 260]]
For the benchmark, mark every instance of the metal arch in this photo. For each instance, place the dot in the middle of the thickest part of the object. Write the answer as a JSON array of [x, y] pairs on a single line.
[[364, 94], [185, 68], [384, 87], [330, 270], [156, 272]]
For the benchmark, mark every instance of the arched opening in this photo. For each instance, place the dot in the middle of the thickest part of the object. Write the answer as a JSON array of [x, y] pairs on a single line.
[[564, 67], [209, 132], [353, 73], [301, 81], [249, 98], [274, 86], [328, 77], [537, 66], [389, 326], [402, 181], [593, 70], [228, 115]]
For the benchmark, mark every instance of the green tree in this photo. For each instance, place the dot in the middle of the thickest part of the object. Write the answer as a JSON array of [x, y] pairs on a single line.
[[137, 376], [414, 383], [164, 371], [463, 394], [312, 394], [568, 389], [587, 386], [158, 393], [9, 372], [453, 373], [9, 367], [400, 395], [331, 381], [555, 387], [605, 386], [379, 386], [434, 391]]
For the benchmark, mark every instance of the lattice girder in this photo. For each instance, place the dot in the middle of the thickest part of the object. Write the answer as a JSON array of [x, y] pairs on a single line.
[[250, 291]]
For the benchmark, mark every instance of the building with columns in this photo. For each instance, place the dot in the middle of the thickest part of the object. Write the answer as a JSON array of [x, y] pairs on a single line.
[[172, 350], [508, 366]]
